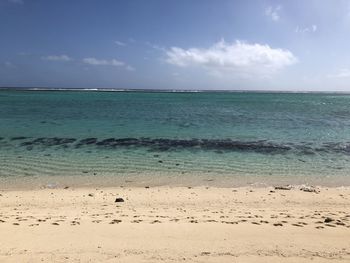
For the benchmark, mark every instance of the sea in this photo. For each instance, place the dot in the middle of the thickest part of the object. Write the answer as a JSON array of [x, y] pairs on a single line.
[[54, 138]]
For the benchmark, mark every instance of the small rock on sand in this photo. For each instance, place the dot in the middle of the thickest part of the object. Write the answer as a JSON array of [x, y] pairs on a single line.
[[119, 200], [283, 187], [328, 220], [309, 189]]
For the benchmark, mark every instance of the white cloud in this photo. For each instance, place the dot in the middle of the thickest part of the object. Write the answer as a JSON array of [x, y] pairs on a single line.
[[311, 29], [130, 68], [238, 59], [57, 58], [119, 43], [273, 12], [341, 73], [154, 46], [103, 62]]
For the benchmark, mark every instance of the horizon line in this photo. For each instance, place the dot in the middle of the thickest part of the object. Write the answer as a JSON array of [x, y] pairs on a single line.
[[168, 90]]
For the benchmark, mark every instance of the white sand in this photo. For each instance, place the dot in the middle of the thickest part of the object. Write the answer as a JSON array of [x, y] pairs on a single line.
[[177, 224]]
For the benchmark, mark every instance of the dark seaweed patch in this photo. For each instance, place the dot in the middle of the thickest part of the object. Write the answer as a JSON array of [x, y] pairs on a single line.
[[161, 144], [86, 141], [216, 145]]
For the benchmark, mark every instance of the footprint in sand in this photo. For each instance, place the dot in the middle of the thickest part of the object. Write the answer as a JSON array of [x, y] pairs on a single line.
[[340, 223], [298, 225], [278, 224], [115, 221], [211, 221]]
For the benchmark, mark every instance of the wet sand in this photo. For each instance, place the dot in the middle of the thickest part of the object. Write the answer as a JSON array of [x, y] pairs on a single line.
[[172, 224]]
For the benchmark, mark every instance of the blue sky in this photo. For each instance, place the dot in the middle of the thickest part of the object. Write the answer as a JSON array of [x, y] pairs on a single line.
[[182, 44]]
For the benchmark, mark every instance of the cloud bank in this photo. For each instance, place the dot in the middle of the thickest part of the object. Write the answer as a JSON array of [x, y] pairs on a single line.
[[273, 13], [57, 58], [119, 43], [239, 58], [103, 62], [311, 29]]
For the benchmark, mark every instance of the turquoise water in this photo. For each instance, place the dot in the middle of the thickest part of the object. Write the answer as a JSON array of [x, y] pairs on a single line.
[[301, 137]]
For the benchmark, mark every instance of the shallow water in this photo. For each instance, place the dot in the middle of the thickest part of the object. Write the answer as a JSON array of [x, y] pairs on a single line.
[[242, 137]]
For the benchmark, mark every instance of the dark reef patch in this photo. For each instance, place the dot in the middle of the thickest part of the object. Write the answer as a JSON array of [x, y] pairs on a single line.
[[86, 141], [164, 144]]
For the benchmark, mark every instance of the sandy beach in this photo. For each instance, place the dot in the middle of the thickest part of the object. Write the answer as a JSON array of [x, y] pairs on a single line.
[[173, 224]]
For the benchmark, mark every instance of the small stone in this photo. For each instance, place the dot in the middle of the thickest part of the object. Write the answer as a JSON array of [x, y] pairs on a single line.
[[283, 187], [309, 189], [91, 195], [328, 220], [119, 200]]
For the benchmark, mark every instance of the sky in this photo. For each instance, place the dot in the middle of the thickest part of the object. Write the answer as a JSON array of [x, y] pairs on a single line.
[[290, 45]]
